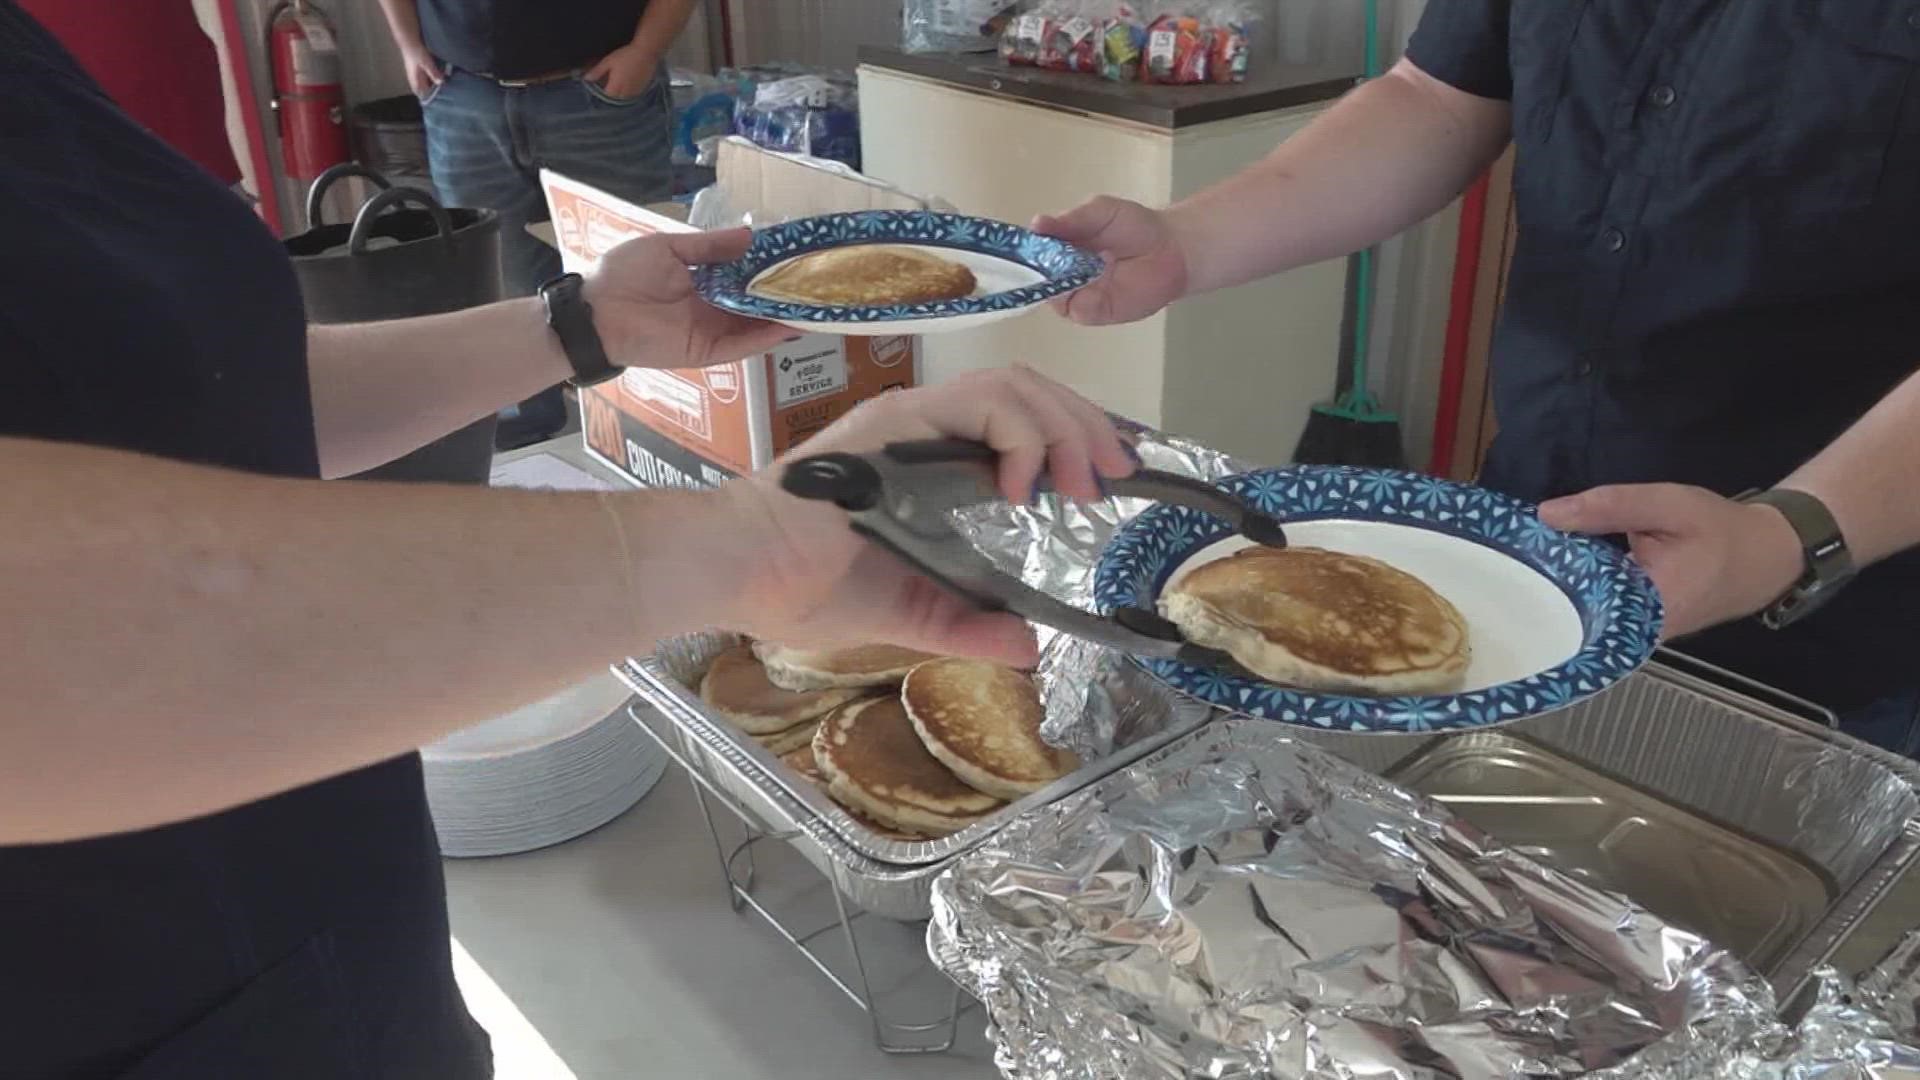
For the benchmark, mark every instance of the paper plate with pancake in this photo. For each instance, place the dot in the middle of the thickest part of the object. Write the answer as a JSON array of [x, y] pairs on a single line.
[[892, 272], [1402, 603]]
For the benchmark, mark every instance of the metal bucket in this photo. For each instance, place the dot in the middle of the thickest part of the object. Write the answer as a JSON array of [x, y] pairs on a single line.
[[394, 263]]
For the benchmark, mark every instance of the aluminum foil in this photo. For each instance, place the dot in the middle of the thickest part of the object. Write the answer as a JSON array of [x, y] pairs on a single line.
[[1892, 988], [1245, 905], [1054, 546]]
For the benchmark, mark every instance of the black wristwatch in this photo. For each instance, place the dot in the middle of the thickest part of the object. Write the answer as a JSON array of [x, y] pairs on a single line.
[[1829, 565], [571, 318]]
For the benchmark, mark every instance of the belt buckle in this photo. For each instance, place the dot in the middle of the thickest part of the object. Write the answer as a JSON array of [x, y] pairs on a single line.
[[536, 80]]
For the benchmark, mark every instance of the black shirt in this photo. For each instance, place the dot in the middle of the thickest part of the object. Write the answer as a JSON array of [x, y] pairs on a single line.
[[513, 39], [1717, 268], [143, 306]]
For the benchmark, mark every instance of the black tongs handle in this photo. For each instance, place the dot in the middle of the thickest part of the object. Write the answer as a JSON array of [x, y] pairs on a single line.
[[901, 499]]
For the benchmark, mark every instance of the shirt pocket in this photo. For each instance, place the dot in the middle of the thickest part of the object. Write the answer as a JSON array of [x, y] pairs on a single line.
[[1848, 98], [1541, 34]]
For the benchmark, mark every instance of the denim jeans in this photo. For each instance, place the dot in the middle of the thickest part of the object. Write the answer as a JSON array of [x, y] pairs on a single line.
[[487, 143], [1891, 723]]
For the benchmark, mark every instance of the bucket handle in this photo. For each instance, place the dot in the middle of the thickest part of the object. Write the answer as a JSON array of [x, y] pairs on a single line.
[[363, 224], [318, 192]]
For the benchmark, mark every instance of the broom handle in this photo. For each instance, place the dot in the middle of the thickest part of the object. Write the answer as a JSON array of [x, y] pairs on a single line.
[[1363, 291]]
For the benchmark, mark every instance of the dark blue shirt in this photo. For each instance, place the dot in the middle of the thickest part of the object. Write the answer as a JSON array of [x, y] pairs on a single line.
[[514, 39], [1717, 267], [144, 307]]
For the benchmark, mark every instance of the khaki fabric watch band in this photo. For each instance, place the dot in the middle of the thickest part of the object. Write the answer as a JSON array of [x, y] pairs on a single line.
[[1829, 565]]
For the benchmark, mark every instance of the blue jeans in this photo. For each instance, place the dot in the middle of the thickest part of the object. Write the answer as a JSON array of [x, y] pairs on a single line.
[[487, 144], [1890, 723]]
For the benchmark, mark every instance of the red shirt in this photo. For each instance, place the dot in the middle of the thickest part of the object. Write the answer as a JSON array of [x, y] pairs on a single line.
[[156, 64]]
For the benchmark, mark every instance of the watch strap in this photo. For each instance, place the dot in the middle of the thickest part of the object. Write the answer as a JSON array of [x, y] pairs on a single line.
[[1829, 564], [570, 317]]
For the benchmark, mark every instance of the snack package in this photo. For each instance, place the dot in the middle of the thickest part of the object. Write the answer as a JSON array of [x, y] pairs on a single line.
[[1123, 42], [1025, 39], [1176, 51], [1074, 44], [1228, 34]]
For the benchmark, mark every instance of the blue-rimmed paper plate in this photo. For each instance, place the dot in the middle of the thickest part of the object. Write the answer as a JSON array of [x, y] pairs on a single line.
[[1552, 618], [1014, 267]]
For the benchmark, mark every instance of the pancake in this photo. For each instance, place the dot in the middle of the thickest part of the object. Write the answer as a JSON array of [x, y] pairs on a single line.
[[803, 762], [875, 764], [982, 721], [868, 275], [798, 737], [1323, 620], [737, 688], [823, 669]]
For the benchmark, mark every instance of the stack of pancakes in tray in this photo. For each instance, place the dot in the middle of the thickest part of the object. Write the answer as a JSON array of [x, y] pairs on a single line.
[[911, 745]]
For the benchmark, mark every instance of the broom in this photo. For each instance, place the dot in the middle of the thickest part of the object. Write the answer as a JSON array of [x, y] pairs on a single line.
[[1354, 429]]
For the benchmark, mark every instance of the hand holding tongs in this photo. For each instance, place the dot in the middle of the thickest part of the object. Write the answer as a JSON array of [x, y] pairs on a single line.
[[903, 497]]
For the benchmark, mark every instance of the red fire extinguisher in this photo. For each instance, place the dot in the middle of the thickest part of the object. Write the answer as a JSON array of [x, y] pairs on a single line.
[[307, 91]]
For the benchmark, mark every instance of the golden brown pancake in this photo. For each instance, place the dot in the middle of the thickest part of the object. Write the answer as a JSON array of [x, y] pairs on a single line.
[[798, 737], [802, 761], [866, 276], [1323, 620], [737, 687], [982, 721], [822, 669], [876, 764]]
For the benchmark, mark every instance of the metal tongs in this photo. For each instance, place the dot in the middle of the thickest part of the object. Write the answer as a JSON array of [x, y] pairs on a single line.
[[903, 499]]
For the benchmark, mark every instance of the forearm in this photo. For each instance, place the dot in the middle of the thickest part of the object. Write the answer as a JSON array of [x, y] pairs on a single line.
[[1867, 477], [661, 23], [1388, 155], [179, 640], [403, 20], [381, 390]]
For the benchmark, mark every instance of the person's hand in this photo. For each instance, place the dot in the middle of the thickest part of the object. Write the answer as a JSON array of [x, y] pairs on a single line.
[[649, 316], [423, 71], [1146, 270], [1714, 560], [626, 72], [817, 582]]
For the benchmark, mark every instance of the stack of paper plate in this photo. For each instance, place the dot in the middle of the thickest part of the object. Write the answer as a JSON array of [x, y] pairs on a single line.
[[540, 775]]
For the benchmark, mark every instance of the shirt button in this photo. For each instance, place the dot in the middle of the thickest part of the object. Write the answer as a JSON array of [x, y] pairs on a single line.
[[1913, 19], [1584, 369], [1662, 96], [1614, 240]]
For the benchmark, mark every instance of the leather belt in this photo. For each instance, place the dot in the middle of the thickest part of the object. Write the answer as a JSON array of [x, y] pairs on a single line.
[[533, 80]]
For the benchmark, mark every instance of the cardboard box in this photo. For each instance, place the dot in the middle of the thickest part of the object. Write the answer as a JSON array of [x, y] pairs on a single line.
[[696, 427]]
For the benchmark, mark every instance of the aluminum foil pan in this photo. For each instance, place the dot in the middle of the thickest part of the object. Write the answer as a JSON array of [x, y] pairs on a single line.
[[1793, 832], [1098, 704], [1118, 698], [1241, 904], [1244, 905]]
